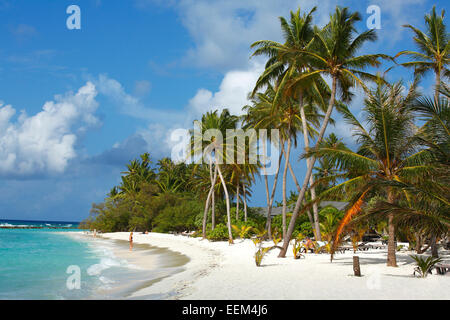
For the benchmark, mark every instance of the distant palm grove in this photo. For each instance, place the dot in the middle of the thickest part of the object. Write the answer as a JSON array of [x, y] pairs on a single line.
[[394, 178]]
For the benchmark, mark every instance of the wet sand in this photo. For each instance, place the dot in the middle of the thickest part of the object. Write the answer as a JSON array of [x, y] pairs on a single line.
[[147, 265]]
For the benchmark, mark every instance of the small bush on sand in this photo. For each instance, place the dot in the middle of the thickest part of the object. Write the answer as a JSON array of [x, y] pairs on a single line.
[[220, 233], [424, 265]]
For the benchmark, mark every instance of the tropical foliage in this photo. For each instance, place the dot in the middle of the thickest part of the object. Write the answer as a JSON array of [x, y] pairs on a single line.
[[395, 175]]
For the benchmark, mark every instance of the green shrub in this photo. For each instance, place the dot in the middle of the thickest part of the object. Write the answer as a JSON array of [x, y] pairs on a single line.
[[180, 217], [220, 233], [424, 265], [306, 229]]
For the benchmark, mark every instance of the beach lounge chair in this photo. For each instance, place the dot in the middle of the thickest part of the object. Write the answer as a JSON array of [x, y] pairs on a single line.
[[442, 268], [363, 247]]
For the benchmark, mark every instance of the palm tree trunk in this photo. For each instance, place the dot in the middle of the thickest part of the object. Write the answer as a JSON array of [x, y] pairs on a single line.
[[391, 259], [434, 248], [269, 209], [205, 214], [294, 177], [438, 84], [312, 161], [316, 224], [213, 196], [270, 197], [266, 183], [286, 165], [237, 202], [227, 200], [418, 242], [213, 209], [299, 189], [208, 199], [245, 203]]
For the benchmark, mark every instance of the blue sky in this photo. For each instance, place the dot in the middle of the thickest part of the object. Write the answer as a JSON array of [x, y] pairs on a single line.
[[76, 105]]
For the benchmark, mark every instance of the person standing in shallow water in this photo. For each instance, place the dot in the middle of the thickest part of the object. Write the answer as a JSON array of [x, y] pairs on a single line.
[[131, 241]]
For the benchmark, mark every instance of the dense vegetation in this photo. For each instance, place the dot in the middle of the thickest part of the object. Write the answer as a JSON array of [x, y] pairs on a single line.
[[395, 176]]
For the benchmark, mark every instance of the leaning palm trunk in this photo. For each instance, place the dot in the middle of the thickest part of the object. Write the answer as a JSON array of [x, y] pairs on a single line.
[[286, 165], [299, 189], [213, 209], [213, 205], [312, 161], [227, 200], [270, 197], [208, 199], [316, 225], [237, 202], [269, 209], [245, 203]]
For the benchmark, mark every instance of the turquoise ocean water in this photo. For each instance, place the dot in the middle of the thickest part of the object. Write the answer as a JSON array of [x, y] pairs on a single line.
[[34, 263]]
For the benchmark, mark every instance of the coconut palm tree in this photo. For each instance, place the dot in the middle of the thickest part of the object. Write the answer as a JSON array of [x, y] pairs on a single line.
[[259, 116], [388, 152], [334, 53], [434, 49], [286, 61], [215, 151]]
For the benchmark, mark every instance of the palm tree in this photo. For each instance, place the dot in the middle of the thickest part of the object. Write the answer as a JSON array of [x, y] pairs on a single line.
[[434, 49], [388, 152], [287, 61], [215, 150], [138, 172], [333, 53], [259, 116]]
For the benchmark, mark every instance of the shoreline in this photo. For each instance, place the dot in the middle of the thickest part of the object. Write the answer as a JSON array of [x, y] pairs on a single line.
[[217, 270], [146, 265], [177, 285]]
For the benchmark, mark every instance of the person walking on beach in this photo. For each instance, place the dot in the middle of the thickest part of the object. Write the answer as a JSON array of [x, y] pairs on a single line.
[[131, 240], [95, 233]]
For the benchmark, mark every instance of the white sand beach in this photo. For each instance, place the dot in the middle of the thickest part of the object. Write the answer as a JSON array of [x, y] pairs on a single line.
[[217, 270]]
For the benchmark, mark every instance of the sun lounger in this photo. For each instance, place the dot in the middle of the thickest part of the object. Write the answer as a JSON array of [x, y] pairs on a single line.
[[341, 249], [442, 268], [377, 246]]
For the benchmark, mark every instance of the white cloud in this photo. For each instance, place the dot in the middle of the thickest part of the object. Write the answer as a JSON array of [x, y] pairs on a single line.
[[44, 142], [223, 30], [142, 88], [131, 105], [395, 14], [232, 93], [155, 136]]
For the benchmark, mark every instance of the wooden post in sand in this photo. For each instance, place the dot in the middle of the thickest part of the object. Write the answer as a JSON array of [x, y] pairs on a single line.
[[356, 268]]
